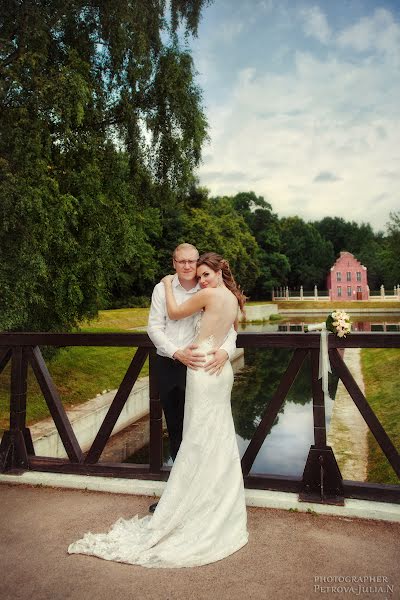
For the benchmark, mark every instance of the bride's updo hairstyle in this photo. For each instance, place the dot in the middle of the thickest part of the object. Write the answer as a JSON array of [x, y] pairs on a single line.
[[216, 262]]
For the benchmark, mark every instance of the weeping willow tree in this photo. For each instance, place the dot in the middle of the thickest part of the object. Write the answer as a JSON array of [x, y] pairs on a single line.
[[100, 121]]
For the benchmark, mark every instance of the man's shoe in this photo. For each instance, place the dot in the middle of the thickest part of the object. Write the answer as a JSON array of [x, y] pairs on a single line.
[[153, 507]]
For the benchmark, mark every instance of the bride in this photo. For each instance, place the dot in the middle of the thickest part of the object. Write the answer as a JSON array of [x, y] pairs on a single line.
[[201, 516]]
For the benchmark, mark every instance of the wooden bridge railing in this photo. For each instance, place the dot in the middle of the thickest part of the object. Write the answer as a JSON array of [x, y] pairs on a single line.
[[321, 480]]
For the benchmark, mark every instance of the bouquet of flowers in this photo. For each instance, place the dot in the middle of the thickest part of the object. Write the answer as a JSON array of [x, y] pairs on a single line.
[[338, 322]]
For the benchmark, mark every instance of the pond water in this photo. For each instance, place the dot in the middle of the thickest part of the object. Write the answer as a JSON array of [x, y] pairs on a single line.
[[285, 449]]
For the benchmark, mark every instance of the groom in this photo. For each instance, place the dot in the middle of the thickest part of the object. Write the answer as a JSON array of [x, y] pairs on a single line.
[[175, 352]]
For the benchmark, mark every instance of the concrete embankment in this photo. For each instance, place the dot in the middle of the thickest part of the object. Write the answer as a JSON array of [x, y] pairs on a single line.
[[348, 431], [260, 312]]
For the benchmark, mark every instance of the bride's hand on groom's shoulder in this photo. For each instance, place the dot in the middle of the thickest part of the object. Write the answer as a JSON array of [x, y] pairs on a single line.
[[167, 279]]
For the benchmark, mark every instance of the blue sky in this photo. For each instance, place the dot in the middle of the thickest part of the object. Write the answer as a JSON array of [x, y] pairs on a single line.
[[302, 100]]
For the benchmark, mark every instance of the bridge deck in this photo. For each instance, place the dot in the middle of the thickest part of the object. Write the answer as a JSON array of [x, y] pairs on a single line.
[[286, 554]]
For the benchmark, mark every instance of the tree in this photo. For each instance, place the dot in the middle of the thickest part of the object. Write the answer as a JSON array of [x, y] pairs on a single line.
[[215, 225], [310, 256], [264, 225], [100, 120], [345, 235], [391, 252]]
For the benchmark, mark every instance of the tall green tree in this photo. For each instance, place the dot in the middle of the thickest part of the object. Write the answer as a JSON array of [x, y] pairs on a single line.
[[264, 225], [100, 120], [345, 235], [214, 225], [391, 252], [310, 255]]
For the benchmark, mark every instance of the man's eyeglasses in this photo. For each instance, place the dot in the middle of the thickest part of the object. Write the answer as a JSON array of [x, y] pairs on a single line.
[[182, 263]]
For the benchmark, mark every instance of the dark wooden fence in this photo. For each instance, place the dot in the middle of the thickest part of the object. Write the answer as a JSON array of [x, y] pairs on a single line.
[[321, 480]]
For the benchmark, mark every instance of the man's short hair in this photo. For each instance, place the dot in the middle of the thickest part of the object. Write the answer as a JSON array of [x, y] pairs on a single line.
[[184, 246]]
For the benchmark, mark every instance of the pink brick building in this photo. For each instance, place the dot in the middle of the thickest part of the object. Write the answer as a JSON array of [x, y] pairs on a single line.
[[347, 279]]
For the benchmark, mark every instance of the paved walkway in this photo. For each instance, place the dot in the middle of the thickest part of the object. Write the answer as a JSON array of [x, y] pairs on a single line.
[[288, 554]]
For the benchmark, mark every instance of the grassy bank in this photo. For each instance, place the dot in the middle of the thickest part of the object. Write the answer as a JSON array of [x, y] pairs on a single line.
[[80, 373], [381, 372]]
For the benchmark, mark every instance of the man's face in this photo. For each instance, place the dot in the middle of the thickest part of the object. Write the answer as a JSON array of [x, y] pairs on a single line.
[[185, 263]]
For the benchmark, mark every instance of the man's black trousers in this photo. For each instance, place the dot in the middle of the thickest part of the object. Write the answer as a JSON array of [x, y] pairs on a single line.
[[171, 375]]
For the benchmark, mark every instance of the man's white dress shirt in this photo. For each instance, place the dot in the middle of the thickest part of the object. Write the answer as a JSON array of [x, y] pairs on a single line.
[[167, 335]]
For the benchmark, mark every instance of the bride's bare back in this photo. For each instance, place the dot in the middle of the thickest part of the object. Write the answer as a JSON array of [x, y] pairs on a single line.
[[220, 313]]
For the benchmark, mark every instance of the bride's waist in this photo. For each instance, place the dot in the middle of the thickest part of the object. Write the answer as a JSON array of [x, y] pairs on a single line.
[[205, 344]]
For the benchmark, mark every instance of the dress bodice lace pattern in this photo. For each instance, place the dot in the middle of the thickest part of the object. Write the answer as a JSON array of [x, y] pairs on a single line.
[[201, 516]]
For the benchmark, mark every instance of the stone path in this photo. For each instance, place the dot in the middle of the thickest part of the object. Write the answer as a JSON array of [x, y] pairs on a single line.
[[290, 555]]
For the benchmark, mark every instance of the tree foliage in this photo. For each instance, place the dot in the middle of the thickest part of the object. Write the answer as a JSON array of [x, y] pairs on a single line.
[[100, 119], [310, 255], [264, 225]]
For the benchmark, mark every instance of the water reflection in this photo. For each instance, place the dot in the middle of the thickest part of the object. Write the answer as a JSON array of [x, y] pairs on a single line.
[[286, 447]]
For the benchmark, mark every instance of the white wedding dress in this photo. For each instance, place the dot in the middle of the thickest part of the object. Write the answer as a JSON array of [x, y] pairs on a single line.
[[201, 516]]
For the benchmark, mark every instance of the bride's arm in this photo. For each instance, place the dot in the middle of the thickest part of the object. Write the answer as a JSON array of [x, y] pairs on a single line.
[[196, 303]]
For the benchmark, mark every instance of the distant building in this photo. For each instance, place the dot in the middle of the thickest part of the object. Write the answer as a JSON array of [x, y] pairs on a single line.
[[347, 279]]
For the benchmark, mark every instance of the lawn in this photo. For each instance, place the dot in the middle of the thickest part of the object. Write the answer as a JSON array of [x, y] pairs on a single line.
[[381, 371]]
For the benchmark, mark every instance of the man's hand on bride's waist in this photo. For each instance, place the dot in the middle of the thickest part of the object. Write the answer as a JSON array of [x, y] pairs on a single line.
[[190, 357], [217, 362]]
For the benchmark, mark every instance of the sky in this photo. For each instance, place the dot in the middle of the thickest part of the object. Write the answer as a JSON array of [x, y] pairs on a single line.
[[303, 104]]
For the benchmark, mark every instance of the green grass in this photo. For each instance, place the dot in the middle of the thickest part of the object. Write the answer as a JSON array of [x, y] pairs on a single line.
[[381, 372], [276, 317], [80, 372], [293, 304], [121, 318]]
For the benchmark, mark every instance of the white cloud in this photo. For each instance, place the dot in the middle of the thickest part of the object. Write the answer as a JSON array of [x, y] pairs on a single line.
[[315, 24], [327, 117], [378, 32], [319, 137]]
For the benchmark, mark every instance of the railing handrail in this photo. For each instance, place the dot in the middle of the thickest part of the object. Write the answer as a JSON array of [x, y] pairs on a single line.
[[279, 339], [17, 451]]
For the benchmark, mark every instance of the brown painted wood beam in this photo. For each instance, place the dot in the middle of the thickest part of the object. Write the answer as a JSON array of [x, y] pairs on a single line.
[[366, 411], [55, 406], [116, 406]]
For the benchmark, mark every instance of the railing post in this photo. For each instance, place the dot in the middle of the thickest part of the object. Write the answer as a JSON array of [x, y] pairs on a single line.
[[17, 443], [322, 481], [156, 430]]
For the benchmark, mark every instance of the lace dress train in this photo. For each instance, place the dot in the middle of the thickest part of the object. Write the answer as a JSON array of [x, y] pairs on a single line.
[[201, 516]]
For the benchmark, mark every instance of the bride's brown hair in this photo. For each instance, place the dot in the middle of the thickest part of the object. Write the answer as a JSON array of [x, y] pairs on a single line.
[[216, 263]]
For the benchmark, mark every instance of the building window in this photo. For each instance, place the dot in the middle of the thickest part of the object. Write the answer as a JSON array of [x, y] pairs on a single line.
[[338, 276], [359, 289], [358, 275], [349, 290], [339, 290], [348, 275]]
